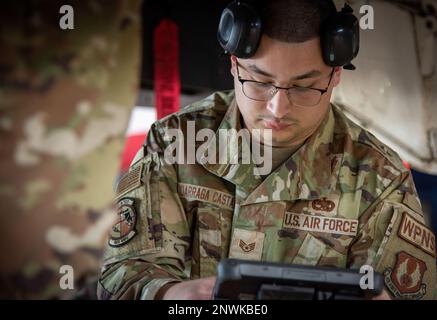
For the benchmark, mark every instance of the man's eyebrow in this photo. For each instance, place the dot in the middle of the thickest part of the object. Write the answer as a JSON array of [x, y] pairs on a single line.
[[309, 74], [255, 69]]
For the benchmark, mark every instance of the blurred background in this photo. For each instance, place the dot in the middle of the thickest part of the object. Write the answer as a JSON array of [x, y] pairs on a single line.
[[76, 104]]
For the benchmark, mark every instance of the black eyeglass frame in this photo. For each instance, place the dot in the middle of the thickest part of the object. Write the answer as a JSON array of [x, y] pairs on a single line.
[[276, 88]]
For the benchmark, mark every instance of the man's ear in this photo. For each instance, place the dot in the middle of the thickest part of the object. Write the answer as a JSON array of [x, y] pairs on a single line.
[[233, 64], [336, 78]]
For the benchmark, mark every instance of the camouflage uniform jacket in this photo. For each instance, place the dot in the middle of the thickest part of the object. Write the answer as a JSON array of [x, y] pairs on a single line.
[[342, 199]]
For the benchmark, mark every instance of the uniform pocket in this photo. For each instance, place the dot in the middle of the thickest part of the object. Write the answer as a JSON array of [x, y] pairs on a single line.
[[214, 228], [310, 251]]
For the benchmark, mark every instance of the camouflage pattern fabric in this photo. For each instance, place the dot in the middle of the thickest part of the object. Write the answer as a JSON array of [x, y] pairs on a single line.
[[343, 199], [65, 99]]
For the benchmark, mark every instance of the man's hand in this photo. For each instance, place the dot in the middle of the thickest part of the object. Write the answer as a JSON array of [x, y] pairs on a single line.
[[383, 296], [200, 289]]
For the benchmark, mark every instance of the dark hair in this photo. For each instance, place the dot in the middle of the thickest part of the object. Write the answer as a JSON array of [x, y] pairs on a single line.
[[294, 21]]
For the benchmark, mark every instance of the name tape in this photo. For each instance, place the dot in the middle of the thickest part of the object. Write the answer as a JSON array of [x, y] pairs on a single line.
[[194, 192]]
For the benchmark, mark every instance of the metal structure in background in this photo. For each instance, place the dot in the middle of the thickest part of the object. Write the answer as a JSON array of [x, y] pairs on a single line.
[[393, 91]]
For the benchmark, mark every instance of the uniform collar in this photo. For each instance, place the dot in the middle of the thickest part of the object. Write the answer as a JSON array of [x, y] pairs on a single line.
[[310, 173], [238, 174]]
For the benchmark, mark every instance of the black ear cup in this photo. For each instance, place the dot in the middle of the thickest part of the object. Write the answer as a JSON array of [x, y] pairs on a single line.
[[340, 37], [239, 30]]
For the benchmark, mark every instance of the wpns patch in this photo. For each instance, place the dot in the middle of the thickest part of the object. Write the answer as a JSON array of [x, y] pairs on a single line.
[[124, 229], [405, 279]]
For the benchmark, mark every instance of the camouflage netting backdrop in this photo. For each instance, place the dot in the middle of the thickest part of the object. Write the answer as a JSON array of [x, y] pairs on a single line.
[[65, 99]]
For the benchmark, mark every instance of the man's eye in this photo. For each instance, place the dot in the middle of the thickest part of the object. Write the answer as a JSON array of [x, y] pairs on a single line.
[[306, 86], [261, 85], [302, 89]]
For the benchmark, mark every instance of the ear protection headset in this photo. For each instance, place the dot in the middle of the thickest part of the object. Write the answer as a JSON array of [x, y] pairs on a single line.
[[240, 29]]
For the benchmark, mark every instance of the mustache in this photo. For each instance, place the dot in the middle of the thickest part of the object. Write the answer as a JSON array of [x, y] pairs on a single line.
[[288, 121]]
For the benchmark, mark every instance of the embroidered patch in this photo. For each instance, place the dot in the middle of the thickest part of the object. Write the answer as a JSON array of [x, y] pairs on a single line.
[[247, 247], [417, 234], [323, 205], [129, 181], [124, 229], [405, 279], [308, 222], [327, 206], [193, 192], [246, 244]]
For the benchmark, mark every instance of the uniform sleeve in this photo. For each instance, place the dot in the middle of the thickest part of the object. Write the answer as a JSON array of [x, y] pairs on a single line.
[[394, 239], [148, 244]]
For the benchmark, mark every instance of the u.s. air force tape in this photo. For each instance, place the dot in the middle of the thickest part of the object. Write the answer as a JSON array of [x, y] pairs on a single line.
[[308, 222]]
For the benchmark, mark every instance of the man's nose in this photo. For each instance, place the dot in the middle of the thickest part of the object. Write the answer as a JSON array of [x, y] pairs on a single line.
[[279, 105]]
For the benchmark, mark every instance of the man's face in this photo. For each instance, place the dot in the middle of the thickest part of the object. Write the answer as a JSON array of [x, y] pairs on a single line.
[[285, 65]]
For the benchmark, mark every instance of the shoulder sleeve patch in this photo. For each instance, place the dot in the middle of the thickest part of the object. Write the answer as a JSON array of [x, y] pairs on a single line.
[[124, 228], [405, 278], [407, 256], [130, 181], [417, 234]]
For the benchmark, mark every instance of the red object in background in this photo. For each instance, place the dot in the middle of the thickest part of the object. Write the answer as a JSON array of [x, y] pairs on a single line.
[[141, 119], [166, 68], [131, 146], [167, 90], [406, 165]]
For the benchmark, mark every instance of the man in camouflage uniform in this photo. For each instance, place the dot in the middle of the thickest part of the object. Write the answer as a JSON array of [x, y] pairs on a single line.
[[336, 196]]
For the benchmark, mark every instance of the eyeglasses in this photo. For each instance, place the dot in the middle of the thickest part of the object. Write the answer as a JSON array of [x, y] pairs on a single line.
[[298, 96]]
